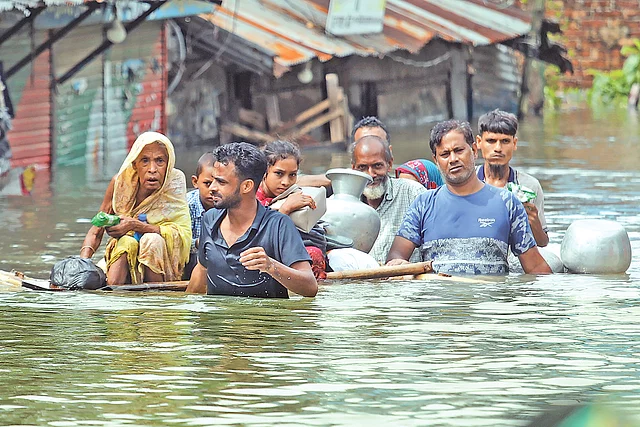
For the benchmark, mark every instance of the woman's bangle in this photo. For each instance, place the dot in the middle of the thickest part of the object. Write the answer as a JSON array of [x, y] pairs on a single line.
[[93, 251]]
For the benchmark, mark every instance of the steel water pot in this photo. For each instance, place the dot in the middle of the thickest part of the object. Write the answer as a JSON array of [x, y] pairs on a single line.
[[596, 246], [346, 214]]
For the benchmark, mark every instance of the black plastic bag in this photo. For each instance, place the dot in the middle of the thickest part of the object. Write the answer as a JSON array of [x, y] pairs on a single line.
[[75, 273]]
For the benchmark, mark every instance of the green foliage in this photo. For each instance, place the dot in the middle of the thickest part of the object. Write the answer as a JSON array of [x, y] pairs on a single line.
[[613, 87]]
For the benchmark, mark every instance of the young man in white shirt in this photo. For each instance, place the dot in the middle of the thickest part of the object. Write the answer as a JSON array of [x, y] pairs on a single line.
[[497, 141]]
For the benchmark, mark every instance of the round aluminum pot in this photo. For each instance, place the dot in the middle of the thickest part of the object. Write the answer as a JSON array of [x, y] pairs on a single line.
[[553, 260], [346, 214], [596, 246]]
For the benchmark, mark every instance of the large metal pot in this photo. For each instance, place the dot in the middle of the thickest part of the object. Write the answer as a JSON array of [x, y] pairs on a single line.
[[596, 246], [346, 214]]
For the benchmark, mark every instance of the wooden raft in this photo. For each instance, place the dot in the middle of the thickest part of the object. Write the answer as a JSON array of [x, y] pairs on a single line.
[[15, 281], [18, 280]]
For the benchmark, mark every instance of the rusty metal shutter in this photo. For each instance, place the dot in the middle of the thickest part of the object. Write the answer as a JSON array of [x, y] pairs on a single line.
[[30, 137], [78, 122]]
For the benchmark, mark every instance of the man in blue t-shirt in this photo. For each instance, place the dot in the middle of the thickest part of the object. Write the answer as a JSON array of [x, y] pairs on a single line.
[[465, 226], [246, 249]]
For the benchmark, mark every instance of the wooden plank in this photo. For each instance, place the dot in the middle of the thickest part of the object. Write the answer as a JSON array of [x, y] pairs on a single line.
[[421, 271], [304, 116], [11, 279], [252, 135], [165, 286], [336, 127], [318, 121], [252, 118]]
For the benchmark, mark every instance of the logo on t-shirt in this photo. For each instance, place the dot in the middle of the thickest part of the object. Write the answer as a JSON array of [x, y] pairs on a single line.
[[486, 222]]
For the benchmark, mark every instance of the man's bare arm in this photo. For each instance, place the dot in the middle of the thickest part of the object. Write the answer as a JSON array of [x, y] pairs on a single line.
[[298, 278], [400, 251], [94, 235], [198, 283], [533, 263], [542, 239]]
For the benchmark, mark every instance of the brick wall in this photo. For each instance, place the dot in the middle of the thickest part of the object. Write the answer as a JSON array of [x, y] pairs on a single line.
[[594, 32]]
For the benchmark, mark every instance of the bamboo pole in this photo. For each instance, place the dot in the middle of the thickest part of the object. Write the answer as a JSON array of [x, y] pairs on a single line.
[[370, 273], [382, 271]]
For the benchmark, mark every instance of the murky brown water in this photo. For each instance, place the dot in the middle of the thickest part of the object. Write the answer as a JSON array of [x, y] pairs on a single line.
[[370, 353]]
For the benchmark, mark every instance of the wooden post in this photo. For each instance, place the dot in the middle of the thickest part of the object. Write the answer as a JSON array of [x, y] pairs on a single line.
[[347, 118], [336, 127], [458, 83], [273, 111]]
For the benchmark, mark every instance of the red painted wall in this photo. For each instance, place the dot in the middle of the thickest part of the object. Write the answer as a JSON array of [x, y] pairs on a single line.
[[149, 110], [30, 137]]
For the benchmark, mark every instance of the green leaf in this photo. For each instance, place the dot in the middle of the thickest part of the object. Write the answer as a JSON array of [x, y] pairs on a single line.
[[631, 65], [628, 50]]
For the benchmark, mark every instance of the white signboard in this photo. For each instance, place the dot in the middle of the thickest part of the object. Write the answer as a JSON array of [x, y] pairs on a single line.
[[347, 17]]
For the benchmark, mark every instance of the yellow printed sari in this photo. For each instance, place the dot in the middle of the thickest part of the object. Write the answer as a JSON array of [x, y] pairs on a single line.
[[167, 208]]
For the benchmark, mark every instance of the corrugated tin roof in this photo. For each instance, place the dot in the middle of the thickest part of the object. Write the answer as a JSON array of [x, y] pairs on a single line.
[[25, 5], [292, 31], [30, 4]]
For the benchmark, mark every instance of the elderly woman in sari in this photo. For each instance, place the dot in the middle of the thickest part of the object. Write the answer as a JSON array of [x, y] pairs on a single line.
[[147, 183]]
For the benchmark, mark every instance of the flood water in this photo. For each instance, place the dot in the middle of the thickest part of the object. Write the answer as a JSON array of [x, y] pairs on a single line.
[[371, 353]]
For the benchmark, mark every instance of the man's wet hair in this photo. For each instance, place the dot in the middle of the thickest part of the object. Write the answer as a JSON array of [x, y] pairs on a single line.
[[249, 162], [388, 156], [281, 150], [498, 121], [440, 130], [370, 122], [205, 161]]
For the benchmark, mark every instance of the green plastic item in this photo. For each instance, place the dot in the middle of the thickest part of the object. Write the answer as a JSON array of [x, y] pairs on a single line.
[[524, 194], [103, 219]]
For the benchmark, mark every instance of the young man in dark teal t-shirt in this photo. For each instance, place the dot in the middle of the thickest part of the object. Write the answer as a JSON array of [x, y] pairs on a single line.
[[246, 249]]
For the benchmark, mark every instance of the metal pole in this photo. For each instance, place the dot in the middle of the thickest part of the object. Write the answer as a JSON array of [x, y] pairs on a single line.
[[13, 30], [57, 36]]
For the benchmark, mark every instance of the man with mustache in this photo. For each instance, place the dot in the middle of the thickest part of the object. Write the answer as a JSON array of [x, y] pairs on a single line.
[[244, 248], [465, 226], [497, 141], [390, 197]]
